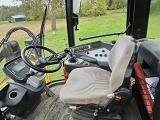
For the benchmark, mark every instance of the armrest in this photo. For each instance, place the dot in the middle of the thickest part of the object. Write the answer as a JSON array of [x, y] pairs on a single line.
[[89, 59]]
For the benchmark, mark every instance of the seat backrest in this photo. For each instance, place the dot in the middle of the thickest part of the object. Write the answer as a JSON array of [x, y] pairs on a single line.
[[119, 58]]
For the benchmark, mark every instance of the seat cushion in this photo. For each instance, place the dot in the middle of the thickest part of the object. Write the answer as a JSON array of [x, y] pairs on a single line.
[[88, 85]]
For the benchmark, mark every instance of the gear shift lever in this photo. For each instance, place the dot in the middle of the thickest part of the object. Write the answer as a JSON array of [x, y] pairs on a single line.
[[72, 58]]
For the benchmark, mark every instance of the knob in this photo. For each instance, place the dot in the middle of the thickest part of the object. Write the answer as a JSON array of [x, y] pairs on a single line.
[[100, 55], [96, 55], [105, 55], [103, 50]]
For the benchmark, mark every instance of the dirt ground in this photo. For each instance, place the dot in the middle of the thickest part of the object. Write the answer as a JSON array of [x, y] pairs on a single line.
[[34, 26]]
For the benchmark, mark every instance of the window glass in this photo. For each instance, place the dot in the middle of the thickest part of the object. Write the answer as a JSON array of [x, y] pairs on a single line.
[[154, 17], [100, 18]]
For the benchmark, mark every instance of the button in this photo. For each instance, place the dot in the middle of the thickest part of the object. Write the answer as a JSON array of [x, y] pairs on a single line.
[[105, 55], [96, 55], [100, 55], [103, 50]]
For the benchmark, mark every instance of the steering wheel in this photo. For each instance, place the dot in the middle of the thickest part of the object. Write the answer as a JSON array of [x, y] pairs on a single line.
[[41, 62]]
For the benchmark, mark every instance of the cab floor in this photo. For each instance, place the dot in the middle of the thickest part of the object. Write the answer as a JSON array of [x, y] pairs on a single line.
[[51, 108]]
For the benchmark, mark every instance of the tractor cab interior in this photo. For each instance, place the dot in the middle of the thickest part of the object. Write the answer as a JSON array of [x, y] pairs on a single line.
[[102, 80]]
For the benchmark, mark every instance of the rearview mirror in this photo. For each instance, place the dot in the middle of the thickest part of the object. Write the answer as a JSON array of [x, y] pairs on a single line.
[[76, 6]]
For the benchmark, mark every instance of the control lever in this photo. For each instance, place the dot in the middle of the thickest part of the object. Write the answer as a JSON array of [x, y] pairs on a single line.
[[89, 59], [68, 52], [73, 59], [42, 62], [29, 74]]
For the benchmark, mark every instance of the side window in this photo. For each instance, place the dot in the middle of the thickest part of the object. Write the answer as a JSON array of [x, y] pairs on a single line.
[[101, 18], [154, 23]]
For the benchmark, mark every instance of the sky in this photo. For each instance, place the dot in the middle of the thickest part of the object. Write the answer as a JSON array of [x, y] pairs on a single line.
[[9, 3]]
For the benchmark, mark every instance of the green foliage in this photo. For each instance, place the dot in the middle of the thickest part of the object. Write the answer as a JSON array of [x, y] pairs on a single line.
[[58, 6], [155, 7], [99, 7], [7, 11], [93, 8], [60, 13], [33, 9], [86, 6], [116, 4]]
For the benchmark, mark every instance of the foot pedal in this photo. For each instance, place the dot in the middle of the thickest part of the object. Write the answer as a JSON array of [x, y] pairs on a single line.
[[48, 91]]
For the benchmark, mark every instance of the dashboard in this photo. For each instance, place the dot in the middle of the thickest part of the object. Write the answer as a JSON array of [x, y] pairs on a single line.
[[16, 69]]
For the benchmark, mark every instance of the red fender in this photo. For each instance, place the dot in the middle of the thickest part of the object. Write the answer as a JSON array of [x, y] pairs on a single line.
[[143, 88]]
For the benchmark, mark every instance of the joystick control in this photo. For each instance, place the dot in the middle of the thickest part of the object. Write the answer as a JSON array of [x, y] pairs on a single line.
[[72, 58], [68, 52]]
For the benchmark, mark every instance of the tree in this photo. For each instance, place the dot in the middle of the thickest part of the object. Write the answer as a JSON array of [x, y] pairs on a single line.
[[7, 11], [54, 5], [93, 7], [53, 20], [155, 7], [116, 4], [99, 6], [86, 7], [109, 2], [33, 9]]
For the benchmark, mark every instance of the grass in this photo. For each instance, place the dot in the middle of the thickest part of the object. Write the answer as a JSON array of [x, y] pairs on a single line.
[[3, 22], [87, 27], [154, 27], [110, 23]]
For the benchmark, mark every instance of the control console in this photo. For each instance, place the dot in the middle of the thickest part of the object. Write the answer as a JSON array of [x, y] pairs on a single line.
[[101, 54], [88, 55], [18, 71], [24, 94]]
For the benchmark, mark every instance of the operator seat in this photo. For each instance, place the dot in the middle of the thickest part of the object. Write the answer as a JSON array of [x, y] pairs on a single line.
[[92, 85]]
